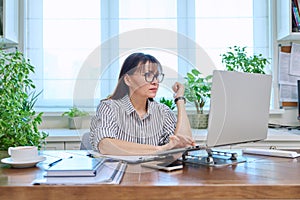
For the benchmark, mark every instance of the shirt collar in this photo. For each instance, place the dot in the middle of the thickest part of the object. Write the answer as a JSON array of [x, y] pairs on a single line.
[[129, 107], [127, 104]]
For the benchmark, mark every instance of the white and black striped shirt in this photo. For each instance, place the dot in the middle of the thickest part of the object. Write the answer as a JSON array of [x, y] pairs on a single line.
[[118, 119]]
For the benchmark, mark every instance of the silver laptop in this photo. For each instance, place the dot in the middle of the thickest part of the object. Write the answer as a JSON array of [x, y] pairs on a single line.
[[239, 108]]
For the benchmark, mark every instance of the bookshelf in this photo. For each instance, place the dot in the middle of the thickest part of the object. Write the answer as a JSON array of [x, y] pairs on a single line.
[[285, 21]]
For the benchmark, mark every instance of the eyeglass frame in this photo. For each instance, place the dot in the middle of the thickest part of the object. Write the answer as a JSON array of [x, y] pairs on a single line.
[[154, 76]]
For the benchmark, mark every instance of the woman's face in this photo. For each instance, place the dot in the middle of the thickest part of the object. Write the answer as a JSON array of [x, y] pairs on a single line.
[[144, 82]]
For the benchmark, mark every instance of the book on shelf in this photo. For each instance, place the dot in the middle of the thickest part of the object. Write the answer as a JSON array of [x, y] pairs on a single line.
[[296, 3], [294, 26], [75, 166]]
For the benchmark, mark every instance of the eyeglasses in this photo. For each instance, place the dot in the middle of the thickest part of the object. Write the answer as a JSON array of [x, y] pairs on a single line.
[[149, 77]]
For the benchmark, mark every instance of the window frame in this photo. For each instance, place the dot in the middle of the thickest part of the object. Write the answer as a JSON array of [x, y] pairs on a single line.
[[184, 27]]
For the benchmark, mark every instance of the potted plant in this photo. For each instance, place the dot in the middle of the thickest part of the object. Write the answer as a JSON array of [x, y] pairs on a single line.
[[75, 116], [168, 102], [236, 59], [18, 119], [197, 91]]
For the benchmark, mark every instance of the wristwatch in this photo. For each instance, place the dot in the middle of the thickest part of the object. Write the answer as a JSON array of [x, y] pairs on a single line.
[[179, 98]]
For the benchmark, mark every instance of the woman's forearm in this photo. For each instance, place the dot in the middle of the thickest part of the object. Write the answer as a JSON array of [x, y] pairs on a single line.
[[120, 147], [183, 125]]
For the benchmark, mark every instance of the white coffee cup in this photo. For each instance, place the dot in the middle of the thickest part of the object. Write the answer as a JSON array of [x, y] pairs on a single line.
[[23, 153]]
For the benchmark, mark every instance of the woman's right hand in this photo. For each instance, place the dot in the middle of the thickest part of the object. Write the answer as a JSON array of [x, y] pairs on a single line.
[[178, 141]]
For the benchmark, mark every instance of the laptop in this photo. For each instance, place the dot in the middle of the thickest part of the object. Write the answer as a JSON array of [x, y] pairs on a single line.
[[239, 109]]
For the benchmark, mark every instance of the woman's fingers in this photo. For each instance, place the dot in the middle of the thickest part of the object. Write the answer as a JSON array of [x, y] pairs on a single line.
[[177, 141], [178, 88], [175, 87], [186, 139]]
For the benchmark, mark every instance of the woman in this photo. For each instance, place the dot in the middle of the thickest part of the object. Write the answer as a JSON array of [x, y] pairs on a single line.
[[130, 122]]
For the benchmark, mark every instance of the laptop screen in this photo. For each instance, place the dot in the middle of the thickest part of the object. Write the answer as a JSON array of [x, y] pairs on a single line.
[[239, 108]]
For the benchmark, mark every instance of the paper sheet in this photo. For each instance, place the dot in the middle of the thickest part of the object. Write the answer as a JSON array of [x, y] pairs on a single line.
[[130, 159], [288, 74], [288, 93], [284, 68], [295, 60], [164, 155]]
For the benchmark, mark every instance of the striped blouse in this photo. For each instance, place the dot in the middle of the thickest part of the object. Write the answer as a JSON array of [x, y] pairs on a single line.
[[118, 119]]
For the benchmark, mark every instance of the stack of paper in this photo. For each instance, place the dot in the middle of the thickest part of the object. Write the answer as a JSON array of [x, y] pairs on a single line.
[[108, 173]]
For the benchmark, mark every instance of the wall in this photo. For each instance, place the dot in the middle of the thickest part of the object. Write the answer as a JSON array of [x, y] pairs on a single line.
[[287, 118]]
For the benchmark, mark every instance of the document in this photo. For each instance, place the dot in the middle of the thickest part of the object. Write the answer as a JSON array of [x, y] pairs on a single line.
[[163, 155], [295, 60], [109, 173], [284, 68], [128, 159], [289, 73], [288, 93]]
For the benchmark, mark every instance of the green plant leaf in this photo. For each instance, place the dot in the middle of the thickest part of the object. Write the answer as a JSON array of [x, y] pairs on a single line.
[[236, 59], [197, 88], [18, 120], [168, 102], [75, 112]]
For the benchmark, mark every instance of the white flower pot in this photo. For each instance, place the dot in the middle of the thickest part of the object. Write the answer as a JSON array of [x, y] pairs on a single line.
[[198, 121], [75, 122]]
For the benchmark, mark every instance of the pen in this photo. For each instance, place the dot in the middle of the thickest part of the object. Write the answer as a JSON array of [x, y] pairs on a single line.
[[53, 163], [92, 155], [107, 159], [115, 172]]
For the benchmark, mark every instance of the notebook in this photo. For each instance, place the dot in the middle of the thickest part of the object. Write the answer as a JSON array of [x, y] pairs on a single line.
[[75, 166]]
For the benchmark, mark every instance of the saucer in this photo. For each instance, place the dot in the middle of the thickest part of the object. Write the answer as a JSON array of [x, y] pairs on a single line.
[[23, 164]]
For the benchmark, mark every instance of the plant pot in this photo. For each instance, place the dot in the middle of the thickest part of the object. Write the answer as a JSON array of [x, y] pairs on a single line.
[[198, 121], [75, 122]]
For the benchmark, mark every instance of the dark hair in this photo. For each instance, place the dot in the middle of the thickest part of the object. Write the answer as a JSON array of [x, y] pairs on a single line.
[[129, 66]]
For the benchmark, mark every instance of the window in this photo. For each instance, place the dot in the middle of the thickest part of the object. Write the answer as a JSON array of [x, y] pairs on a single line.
[[78, 46], [242, 23]]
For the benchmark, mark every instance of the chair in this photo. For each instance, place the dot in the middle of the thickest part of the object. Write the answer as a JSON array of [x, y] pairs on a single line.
[[85, 142]]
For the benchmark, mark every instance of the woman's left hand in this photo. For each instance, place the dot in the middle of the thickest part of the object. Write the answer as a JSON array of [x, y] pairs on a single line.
[[178, 89]]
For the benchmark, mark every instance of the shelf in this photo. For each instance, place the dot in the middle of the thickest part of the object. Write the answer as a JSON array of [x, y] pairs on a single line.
[[284, 21]]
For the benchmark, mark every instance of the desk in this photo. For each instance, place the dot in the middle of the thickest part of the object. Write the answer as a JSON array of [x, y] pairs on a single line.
[[263, 177]]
